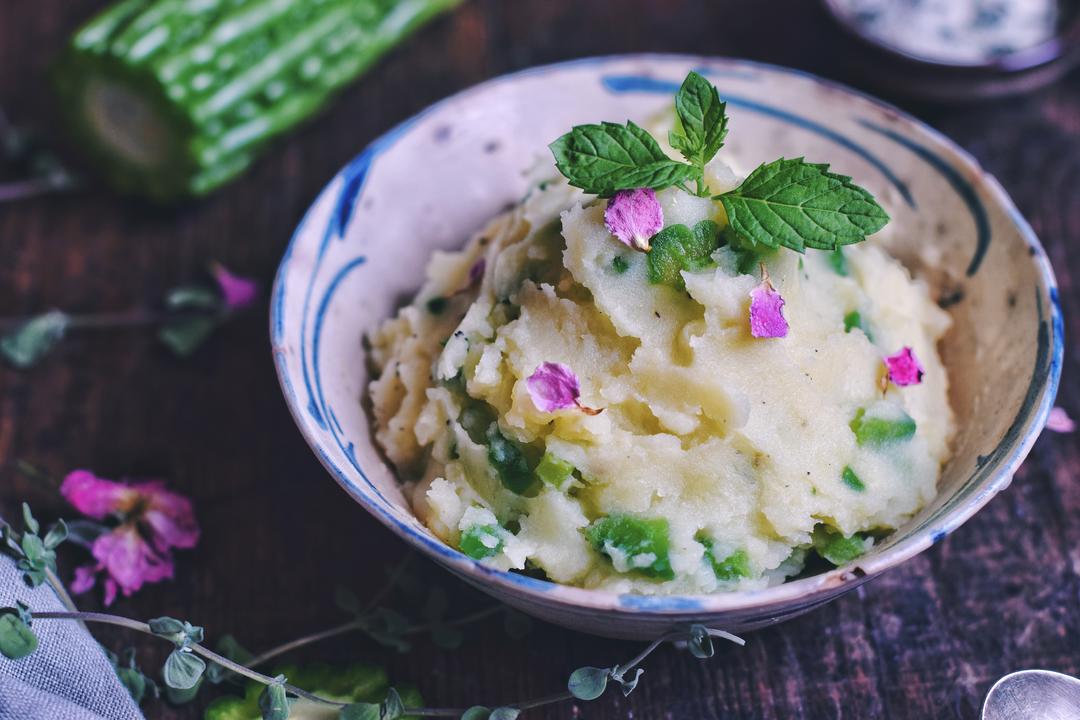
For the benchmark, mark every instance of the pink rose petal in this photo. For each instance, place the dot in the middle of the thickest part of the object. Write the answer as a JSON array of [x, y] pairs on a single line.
[[85, 577], [767, 310], [553, 386], [1059, 421], [169, 515], [96, 497], [634, 216], [129, 560], [237, 292], [904, 368]]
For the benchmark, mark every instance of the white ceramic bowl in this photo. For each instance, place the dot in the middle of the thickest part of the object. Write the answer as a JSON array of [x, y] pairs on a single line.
[[435, 179]]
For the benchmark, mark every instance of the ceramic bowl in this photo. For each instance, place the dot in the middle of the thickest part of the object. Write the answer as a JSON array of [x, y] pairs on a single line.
[[432, 181]]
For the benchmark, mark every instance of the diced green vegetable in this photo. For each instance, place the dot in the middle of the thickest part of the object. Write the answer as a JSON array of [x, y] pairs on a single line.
[[476, 418], [554, 470], [838, 262], [835, 547], [481, 541], [733, 567], [853, 320], [508, 459], [436, 305], [638, 545], [852, 480], [677, 248], [620, 264], [174, 98], [876, 430]]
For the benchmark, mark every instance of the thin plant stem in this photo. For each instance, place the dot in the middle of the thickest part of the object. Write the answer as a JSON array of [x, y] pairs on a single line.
[[26, 189], [301, 642]]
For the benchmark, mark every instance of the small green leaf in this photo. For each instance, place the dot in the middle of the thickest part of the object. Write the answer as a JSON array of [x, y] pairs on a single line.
[[17, 640], [700, 642], [476, 712], [588, 683], [29, 521], [392, 708], [853, 320], [347, 601], [57, 534], [360, 711], [273, 702], [193, 297], [838, 262], [837, 548], [178, 696], [603, 159], [182, 669], [796, 204], [852, 480], [504, 713], [31, 341], [516, 625], [233, 650], [628, 685], [677, 248], [185, 335], [34, 549], [134, 681], [703, 118]]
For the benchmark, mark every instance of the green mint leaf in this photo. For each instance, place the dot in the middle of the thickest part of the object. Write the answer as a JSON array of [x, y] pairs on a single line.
[[34, 550], [588, 683], [57, 534], [34, 339], [392, 708], [186, 335], [619, 264], [643, 544], [29, 521], [700, 642], [509, 461], [273, 702], [677, 248], [703, 118], [360, 711], [603, 159], [476, 712], [504, 713], [182, 669], [17, 640], [178, 696], [796, 204]]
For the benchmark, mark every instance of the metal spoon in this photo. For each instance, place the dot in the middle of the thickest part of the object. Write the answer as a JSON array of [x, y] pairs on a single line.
[[1033, 695]]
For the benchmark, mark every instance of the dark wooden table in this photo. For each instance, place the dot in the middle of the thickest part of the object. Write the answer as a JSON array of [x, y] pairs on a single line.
[[925, 641]]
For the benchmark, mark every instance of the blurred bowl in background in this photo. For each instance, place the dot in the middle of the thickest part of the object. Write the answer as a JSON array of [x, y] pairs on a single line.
[[960, 50]]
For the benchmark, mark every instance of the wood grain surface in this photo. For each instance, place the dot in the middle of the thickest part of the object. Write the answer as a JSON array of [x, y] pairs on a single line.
[[925, 641]]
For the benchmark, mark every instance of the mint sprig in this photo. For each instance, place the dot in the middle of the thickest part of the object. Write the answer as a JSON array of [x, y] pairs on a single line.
[[785, 203], [603, 159], [704, 124], [796, 204]]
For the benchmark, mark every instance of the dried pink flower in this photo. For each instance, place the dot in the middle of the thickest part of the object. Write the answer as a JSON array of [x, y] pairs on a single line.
[[553, 386], [634, 216], [767, 310], [904, 368], [1059, 421], [153, 520], [237, 292]]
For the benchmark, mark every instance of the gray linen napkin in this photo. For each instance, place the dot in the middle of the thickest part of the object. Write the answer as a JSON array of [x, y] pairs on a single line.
[[68, 677]]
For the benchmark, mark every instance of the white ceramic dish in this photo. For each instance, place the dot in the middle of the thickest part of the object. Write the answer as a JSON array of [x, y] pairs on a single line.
[[432, 181]]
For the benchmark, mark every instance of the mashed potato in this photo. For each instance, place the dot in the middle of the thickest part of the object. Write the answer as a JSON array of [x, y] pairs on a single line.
[[719, 459]]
